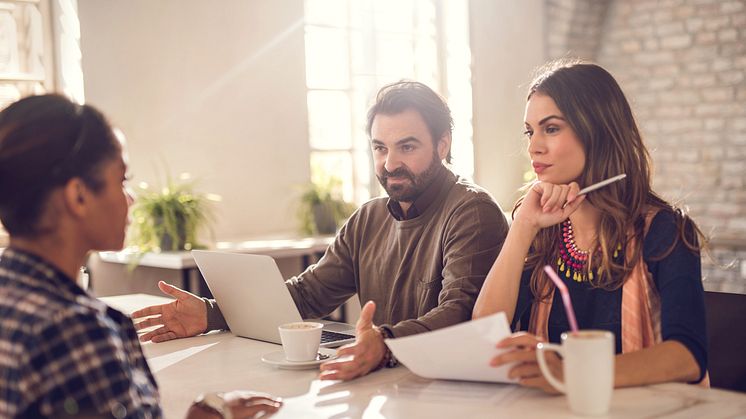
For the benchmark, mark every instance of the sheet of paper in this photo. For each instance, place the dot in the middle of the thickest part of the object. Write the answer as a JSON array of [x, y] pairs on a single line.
[[460, 352]]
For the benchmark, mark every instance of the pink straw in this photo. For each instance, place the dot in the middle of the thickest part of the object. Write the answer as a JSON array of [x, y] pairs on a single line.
[[565, 297]]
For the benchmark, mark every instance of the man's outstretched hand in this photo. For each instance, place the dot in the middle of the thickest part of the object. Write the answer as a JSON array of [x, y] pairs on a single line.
[[184, 317]]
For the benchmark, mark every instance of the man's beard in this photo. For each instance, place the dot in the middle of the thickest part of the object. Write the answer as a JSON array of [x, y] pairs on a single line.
[[409, 192]]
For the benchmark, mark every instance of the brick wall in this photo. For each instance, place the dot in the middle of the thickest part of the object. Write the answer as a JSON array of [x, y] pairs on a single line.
[[682, 64], [574, 27]]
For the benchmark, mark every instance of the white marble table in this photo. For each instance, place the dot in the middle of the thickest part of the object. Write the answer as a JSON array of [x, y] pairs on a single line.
[[221, 361]]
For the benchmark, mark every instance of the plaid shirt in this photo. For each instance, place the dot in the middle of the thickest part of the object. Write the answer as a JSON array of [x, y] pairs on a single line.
[[63, 352]]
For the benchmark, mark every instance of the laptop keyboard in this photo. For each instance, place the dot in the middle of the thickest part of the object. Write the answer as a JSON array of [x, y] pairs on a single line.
[[327, 336]]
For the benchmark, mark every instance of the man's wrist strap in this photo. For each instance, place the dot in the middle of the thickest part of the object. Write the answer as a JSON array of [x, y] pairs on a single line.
[[388, 360]]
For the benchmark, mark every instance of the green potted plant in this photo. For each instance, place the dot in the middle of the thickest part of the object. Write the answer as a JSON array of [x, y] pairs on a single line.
[[322, 208], [169, 219]]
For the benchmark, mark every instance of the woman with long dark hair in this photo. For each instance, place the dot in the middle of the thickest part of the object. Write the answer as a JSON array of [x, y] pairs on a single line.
[[62, 194], [629, 258]]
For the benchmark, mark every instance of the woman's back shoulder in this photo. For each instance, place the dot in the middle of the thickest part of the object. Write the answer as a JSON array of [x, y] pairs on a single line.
[[33, 303]]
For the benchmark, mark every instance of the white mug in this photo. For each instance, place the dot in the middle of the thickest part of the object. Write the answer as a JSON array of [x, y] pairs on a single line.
[[301, 340], [588, 366]]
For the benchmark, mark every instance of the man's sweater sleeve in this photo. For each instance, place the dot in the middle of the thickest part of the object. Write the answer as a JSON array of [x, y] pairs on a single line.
[[326, 285]]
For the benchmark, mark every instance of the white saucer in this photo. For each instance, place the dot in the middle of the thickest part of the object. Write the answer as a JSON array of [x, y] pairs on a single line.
[[277, 359]]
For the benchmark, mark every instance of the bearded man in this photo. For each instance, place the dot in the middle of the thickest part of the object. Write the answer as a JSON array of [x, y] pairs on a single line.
[[418, 258]]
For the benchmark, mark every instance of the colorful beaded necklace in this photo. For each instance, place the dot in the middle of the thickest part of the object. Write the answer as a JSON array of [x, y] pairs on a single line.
[[572, 260]]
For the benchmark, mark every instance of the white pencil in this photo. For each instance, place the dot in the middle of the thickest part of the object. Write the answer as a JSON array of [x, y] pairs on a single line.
[[601, 184]]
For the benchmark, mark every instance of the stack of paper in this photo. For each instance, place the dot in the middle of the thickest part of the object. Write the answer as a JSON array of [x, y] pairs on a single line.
[[460, 352]]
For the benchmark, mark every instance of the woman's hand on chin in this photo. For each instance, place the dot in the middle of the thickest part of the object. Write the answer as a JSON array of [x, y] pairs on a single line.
[[547, 204]]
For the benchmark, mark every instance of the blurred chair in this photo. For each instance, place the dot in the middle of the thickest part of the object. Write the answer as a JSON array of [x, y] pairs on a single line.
[[726, 330]]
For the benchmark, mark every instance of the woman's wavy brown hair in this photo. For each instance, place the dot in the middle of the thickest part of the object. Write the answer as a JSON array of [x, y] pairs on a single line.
[[595, 107]]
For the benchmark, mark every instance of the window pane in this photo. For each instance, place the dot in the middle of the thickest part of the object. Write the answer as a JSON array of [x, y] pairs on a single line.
[[329, 120], [360, 13], [326, 165], [9, 93], [458, 54], [426, 67], [394, 15], [426, 45], [394, 56], [326, 12], [362, 61], [363, 96], [327, 58], [364, 171]]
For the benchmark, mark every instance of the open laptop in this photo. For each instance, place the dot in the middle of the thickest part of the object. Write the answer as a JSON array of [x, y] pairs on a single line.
[[254, 299]]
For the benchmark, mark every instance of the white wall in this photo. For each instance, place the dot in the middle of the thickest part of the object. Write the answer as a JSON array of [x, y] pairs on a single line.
[[507, 43], [216, 89]]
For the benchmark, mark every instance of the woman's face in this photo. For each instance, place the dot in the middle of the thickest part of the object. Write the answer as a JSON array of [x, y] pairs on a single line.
[[556, 152], [108, 220]]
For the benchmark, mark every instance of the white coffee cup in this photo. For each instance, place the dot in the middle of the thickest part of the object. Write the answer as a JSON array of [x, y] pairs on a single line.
[[588, 366], [301, 340]]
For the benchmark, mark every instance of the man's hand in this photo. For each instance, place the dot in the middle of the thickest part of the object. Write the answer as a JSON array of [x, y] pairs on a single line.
[[185, 317], [359, 358]]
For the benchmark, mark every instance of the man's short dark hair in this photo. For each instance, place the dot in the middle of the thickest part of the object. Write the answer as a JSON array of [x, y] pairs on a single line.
[[403, 95]]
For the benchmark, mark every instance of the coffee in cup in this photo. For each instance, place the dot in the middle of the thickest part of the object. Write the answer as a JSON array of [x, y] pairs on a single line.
[[300, 340]]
